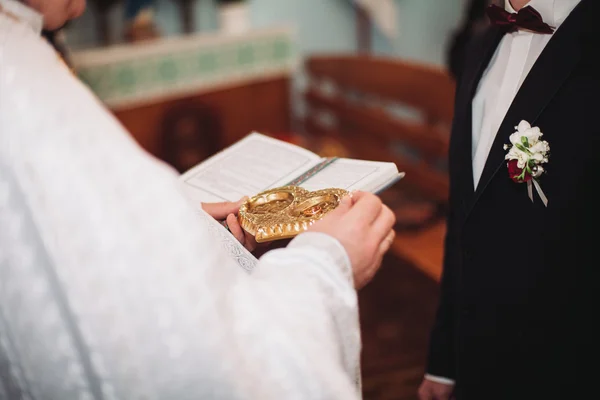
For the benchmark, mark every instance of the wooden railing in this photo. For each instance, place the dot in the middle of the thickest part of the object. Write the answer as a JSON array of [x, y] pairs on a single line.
[[361, 95]]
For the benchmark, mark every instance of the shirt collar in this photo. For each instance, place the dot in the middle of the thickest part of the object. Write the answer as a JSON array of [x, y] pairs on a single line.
[[25, 14], [553, 12]]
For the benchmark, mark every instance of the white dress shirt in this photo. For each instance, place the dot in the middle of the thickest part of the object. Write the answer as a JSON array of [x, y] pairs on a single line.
[[113, 286], [500, 82], [508, 68]]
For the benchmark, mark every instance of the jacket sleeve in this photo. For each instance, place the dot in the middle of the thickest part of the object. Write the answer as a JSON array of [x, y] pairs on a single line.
[[441, 360]]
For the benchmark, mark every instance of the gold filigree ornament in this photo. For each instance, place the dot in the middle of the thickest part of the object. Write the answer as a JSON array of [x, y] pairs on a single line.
[[285, 212]]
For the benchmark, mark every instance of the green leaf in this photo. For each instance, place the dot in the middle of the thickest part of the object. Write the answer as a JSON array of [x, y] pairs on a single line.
[[522, 148], [525, 141]]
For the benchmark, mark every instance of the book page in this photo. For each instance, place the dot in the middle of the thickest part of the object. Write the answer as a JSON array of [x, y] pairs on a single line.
[[370, 176], [248, 167]]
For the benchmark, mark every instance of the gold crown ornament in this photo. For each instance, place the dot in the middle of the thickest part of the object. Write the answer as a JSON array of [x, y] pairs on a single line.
[[285, 212]]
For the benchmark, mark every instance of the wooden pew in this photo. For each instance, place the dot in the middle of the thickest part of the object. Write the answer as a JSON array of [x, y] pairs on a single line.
[[389, 110]]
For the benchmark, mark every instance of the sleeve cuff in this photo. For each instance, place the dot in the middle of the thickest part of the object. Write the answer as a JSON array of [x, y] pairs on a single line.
[[329, 245], [439, 379]]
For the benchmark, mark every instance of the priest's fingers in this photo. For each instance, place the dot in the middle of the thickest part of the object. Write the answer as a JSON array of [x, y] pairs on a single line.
[[366, 275], [370, 272], [250, 242], [221, 210], [385, 245], [246, 239], [366, 208], [383, 224], [235, 229]]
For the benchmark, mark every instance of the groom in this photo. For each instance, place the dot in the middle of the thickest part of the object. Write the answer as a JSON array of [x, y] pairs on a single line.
[[515, 317]]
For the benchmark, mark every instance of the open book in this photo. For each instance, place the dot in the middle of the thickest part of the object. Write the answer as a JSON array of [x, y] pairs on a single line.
[[258, 162]]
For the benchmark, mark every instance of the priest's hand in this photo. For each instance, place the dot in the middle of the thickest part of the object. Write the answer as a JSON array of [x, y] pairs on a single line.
[[227, 212], [363, 225]]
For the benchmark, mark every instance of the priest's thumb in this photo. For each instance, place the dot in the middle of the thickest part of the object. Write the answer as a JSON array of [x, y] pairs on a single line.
[[344, 206], [240, 202]]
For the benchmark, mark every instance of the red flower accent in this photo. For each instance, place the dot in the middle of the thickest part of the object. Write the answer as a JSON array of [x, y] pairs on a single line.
[[517, 174]]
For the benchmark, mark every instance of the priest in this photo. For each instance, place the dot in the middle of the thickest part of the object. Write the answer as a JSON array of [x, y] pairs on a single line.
[[113, 287]]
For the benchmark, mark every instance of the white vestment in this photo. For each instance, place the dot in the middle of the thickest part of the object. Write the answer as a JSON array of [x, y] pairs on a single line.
[[113, 287]]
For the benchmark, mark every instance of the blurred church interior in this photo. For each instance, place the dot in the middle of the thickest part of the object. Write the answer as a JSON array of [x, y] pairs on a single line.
[[352, 78]]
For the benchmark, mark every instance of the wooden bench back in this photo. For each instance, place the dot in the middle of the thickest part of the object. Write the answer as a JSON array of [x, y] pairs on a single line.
[[385, 109]]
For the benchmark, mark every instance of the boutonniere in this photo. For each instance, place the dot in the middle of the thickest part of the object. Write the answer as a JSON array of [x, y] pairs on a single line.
[[526, 154]]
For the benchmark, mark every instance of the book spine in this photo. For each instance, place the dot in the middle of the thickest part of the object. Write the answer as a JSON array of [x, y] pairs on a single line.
[[312, 172]]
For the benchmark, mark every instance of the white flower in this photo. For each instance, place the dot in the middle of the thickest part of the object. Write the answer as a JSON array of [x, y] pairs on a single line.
[[541, 147], [526, 145], [515, 138], [524, 129], [533, 135], [516, 154], [523, 125]]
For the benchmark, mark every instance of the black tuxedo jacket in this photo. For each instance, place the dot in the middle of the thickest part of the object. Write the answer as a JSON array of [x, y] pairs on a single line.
[[515, 318]]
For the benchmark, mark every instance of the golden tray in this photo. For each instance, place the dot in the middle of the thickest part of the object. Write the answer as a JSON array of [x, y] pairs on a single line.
[[285, 212]]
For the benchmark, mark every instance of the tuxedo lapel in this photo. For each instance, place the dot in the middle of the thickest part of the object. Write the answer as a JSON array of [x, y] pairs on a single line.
[[463, 125], [552, 68]]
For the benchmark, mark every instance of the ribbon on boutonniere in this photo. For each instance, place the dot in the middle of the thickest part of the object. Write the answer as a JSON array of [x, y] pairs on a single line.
[[526, 154]]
